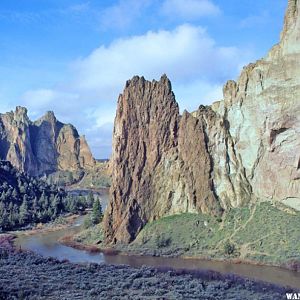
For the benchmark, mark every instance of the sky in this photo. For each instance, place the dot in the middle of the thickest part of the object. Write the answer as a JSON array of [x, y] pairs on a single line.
[[74, 56]]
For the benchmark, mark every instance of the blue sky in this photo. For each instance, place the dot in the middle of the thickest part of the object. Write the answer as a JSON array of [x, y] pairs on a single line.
[[73, 57]]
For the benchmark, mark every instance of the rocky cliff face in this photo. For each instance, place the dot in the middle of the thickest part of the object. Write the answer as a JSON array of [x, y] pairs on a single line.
[[263, 110], [244, 148], [161, 162], [43, 146]]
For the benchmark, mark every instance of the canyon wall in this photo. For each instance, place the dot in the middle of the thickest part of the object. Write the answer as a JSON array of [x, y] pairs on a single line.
[[245, 148], [43, 146]]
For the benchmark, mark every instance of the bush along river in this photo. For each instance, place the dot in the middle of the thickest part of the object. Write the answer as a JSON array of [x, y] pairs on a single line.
[[47, 244]]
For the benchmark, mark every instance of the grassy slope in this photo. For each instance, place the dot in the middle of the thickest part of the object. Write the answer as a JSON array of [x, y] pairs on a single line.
[[263, 233], [90, 236]]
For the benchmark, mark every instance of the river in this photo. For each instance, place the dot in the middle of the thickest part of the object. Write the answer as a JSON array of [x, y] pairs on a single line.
[[46, 244]]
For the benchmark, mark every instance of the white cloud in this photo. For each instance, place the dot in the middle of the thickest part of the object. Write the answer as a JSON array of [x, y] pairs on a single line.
[[122, 14], [191, 95], [184, 53], [189, 9], [196, 65], [44, 97], [40, 100]]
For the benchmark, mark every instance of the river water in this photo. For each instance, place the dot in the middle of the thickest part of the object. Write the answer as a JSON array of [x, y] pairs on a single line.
[[46, 244]]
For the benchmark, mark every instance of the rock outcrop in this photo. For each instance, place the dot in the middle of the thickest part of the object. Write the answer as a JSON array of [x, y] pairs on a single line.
[[263, 110], [43, 146], [160, 163], [243, 149]]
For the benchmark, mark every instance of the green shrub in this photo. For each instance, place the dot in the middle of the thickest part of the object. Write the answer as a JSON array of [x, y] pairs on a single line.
[[88, 222], [229, 248], [162, 241]]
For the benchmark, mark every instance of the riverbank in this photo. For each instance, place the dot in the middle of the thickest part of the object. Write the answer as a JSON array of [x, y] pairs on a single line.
[[250, 269], [26, 275], [60, 223], [264, 235], [47, 245], [69, 241]]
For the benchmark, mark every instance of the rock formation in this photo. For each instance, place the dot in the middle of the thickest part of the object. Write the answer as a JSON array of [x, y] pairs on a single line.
[[43, 146], [243, 149], [158, 165]]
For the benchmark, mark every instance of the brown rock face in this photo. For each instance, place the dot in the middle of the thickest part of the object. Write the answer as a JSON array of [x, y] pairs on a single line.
[[197, 165], [43, 146], [152, 176], [241, 149]]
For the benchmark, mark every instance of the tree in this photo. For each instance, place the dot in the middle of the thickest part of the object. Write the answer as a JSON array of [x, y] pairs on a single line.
[[35, 207], [229, 248], [4, 220], [15, 193], [97, 214], [24, 213], [56, 205], [70, 177], [90, 199]]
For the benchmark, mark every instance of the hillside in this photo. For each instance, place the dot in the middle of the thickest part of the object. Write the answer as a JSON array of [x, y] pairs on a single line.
[[263, 233]]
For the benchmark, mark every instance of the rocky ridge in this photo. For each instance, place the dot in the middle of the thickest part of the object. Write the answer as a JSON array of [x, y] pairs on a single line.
[[245, 148], [43, 146]]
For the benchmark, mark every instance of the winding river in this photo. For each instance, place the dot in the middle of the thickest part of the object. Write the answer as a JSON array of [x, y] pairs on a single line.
[[46, 244]]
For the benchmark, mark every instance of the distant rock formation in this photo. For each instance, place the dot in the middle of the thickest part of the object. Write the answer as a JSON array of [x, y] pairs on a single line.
[[243, 149], [43, 146]]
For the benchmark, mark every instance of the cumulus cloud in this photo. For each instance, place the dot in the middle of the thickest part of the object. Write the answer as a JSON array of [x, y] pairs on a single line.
[[44, 97], [196, 65], [122, 14], [189, 9], [37, 101], [190, 95], [184, 53]]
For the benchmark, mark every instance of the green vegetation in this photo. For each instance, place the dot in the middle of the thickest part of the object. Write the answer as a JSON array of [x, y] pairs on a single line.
[[26, 200], [162, 241], [81, 179], [63, 178], [95, 179], [92, 235], [264, 233], [25, 275], [229, 248], [95, 217], [97, 214]]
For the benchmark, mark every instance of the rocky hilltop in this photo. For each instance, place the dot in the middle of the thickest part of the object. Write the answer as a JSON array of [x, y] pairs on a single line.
[[243, 149], [43, 146]]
